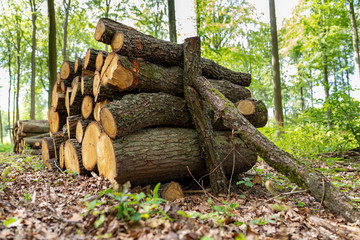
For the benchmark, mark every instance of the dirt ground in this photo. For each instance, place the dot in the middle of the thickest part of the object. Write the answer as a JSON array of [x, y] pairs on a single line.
[[39, 204]]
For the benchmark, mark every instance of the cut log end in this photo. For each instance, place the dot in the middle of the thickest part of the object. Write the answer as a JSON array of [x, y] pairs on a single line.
[[89, 144], [106, 161], [71, 157], [65, 70], [54, 120], [100, 60], [79, 132], [96, 84], [97, 109], [172, 191], [62, 155], [108, 122], [74, 91], [87, 58], [87, 107], [67, 99], [117, 41], [246, 107], [100, 29]]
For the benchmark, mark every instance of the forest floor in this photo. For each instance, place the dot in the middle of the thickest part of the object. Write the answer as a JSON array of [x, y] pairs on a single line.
[[39, 204]]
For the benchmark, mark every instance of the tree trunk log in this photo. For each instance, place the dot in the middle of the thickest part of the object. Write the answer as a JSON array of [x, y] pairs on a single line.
[[73, 162], [56, 120], [201, 117], [318, 185], [129, 42], [121, 73], [87, 107], [80, 129], [71, 122], [254, 111], [89, 143], [67, 71], [75, 107], [87, 85], [97, 109], [59, 138], [90, 59], [62, 156], [163, 154], [47, 151], [100, 58], [172, 191], [33, 143], [35, 126], [58, 102]]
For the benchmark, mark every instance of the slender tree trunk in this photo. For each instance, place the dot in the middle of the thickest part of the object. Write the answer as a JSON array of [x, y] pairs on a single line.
[[335, 82], [302, 99], [66, 21], [1, 129], [354, 37], [33, 66], [10, 86], [52, 48], [172, 21], [18, 75], [107, 10], [279, 117], [197, 10]]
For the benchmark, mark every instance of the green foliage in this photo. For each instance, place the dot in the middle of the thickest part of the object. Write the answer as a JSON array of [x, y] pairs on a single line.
[[6, 147], [246, 181]]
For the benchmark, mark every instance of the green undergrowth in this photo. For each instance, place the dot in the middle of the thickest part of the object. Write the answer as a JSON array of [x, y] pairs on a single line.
[[6, 147]]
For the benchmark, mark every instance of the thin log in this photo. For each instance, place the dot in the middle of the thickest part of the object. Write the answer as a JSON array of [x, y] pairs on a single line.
[[318, 185], [163, 154], [80, 129], [127, 41], [73, 162], [56, 120], [87, 107], [200, 116], [100, 58], [47, 151], [90, 59], [89, 144], [67, 71]]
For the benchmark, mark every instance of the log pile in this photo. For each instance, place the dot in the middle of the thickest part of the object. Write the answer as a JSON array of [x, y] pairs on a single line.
[[124, 114], [28, 134]]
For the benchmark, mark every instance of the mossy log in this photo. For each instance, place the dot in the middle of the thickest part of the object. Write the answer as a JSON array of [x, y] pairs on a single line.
[[318, 185], [163, 154], [127, 41]]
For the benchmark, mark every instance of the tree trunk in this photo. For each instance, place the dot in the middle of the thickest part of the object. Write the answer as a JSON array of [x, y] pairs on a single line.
[[172, 21], [71, 122], [129, 42], [10, 86], [47, 151], [163, 154], [33, 63], [18, 40], [254, 111], [67, 5], [89, 143], [35, 126], [1, 129], [318, 185], [73, 159], [52, 48], [355, 38], [100, 58], [87, 107], [80, 129], [279, 116], [121, 73]]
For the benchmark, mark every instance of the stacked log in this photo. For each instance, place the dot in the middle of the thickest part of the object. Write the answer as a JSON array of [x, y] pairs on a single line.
[[28, 134], [124, 116]]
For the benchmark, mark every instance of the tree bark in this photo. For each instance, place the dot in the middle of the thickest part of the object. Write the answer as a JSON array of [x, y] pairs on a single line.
[[33, 63], [52, 47], [35, 126], [318, 185], [172, 21], [163, 154], [67, 5], [122, 74], [355, 38], [47, 151], [199, 115], [279, 116], [90, 59], [254, 111], [129, 42], [87, 85], [71, 122]]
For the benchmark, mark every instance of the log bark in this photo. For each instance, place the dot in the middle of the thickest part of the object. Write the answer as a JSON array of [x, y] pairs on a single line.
[[67, 71], [87, 85], [59, 138], [318, 185], [97, 109], [163, 154], [121, 73], [89, 143], [56, 120], [33, 143], [58, 102], [254, 111], [137, 111], [79, 62], [80, 129], [62, 156], [87, 107], [35, 126], [71, 122], [90, 59], [129, 42], [47, 151], [100, 58], [73, 162], [75, 107], [200, 116]]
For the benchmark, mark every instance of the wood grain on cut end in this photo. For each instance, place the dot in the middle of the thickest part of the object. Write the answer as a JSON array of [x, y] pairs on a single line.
[[97, 109], [58, 78], [54, 119], [62, 156], [100, 60], [67, 99], [117, 41], [66, 69], [96, 84], [47, 151], [71, 157], [246, 107], [108, 122], [79, 132], [106, 161], [75, 89], [87, 106], [100, 29], [89, 144], [172, 191]]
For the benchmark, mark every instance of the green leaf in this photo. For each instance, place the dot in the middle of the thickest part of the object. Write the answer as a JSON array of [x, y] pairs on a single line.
[[99, 221]]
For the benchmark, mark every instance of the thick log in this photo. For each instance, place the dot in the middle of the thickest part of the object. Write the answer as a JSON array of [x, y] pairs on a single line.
[[101, 92], [58, 102], [47, 151], [100, 58], [35, 126], [80, 129], [33, 143], [56, 120], [318, 185], [129, 42], [75, 107], [137, 111], [89, 144], [72, 152], [79, 62], [90, 59], [87, 107], [67, 71], [59, 138], [76, 96], [71, 122], [87, 85], [97, 109], [163, 154], [121, 73], [254, 111], [200, 115]]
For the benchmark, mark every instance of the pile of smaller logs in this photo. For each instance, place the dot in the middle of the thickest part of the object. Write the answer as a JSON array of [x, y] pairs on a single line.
[[28, 134], [123, 114]]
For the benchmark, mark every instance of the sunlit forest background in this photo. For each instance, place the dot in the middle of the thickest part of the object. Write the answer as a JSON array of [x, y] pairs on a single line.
[[316, 47]]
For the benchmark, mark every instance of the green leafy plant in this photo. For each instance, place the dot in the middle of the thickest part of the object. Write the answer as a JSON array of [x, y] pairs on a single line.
[[27, 197], [246, 181]]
